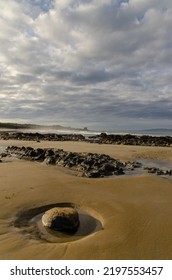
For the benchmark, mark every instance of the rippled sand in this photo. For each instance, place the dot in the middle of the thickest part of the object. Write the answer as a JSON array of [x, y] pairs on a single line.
[[135, 211]]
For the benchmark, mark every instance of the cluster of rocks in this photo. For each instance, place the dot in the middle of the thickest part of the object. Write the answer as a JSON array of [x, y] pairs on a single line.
[[158, 171], [103, 138], [40, 136], [90, 165], [129, 139], [64, 219]]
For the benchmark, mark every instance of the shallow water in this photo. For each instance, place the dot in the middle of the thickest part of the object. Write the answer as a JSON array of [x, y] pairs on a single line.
[[30, 224], [162, 164], [88, 225], [149, 163]]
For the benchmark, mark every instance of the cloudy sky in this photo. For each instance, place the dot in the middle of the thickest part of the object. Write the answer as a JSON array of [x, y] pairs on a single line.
[[105, 64]]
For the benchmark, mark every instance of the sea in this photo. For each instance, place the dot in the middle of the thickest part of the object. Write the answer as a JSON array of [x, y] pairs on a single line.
[[87, 133], [150, 132]]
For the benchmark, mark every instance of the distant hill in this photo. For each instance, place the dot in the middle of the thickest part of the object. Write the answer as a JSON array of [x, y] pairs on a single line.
[[35, 126], [157, 130]]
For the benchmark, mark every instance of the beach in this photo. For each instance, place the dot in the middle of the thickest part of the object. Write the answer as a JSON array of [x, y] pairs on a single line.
[[135, 211]]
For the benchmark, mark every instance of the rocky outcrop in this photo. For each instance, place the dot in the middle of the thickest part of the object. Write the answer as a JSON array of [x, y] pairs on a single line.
[[89, 165], [158, 171], [103, 138], [128, 139], [41, 136], [65, 219]]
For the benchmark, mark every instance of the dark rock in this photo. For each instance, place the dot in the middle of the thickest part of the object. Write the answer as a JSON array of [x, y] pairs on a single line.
[[152, 170], [162, 172], [49, 152], [137, 164], [92, 174], [65, 219], [107, 168], [4, 155], [103, 138], [40, 154], [91, 165], [119, 171], [40, 151], [50, 160]]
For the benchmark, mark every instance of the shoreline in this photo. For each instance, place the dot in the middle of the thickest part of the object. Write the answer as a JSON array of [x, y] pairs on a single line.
[[102, 138], [135, 211]]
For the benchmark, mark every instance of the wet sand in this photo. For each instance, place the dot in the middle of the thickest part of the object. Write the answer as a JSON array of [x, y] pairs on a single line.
[[135, 211]]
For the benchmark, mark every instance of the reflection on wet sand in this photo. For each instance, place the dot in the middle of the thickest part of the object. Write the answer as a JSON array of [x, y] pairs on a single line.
[[30, 224]]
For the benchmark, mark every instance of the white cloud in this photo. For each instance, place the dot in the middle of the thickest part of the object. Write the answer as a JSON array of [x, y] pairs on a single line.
[[82, 61]]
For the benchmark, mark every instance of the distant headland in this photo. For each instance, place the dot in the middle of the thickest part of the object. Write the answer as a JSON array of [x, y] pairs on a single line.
[[9, 125]]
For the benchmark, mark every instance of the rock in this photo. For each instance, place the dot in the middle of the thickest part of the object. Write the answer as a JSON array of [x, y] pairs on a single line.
[[103, 138], [137, 164], [49, 153], [92, 174], [65, 219], [91, 165], [131, 165], [107, 169], [119, 171], [4, 155], [162, 172], [153, 170], [50, 160]]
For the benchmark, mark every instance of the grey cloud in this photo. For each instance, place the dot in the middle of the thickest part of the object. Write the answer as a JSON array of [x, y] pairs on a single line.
[[92, 77], [86, 61]]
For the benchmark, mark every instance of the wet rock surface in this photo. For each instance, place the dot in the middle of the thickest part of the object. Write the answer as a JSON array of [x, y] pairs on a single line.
[[65, 219], [90, 165]]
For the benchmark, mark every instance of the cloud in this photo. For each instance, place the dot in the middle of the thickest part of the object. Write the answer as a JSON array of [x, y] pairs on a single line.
[[85, 62]]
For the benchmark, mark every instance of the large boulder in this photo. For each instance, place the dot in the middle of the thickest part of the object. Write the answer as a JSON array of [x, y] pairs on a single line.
[[65, 219]]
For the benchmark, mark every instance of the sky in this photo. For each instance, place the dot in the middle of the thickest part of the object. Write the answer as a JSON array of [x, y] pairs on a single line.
[[101, 64]]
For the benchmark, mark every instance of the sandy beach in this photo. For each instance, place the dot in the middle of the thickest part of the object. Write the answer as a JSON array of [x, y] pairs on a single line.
[[135, 211]]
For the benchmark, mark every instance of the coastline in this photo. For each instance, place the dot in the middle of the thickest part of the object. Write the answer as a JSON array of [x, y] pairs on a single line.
[[135, 211]]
